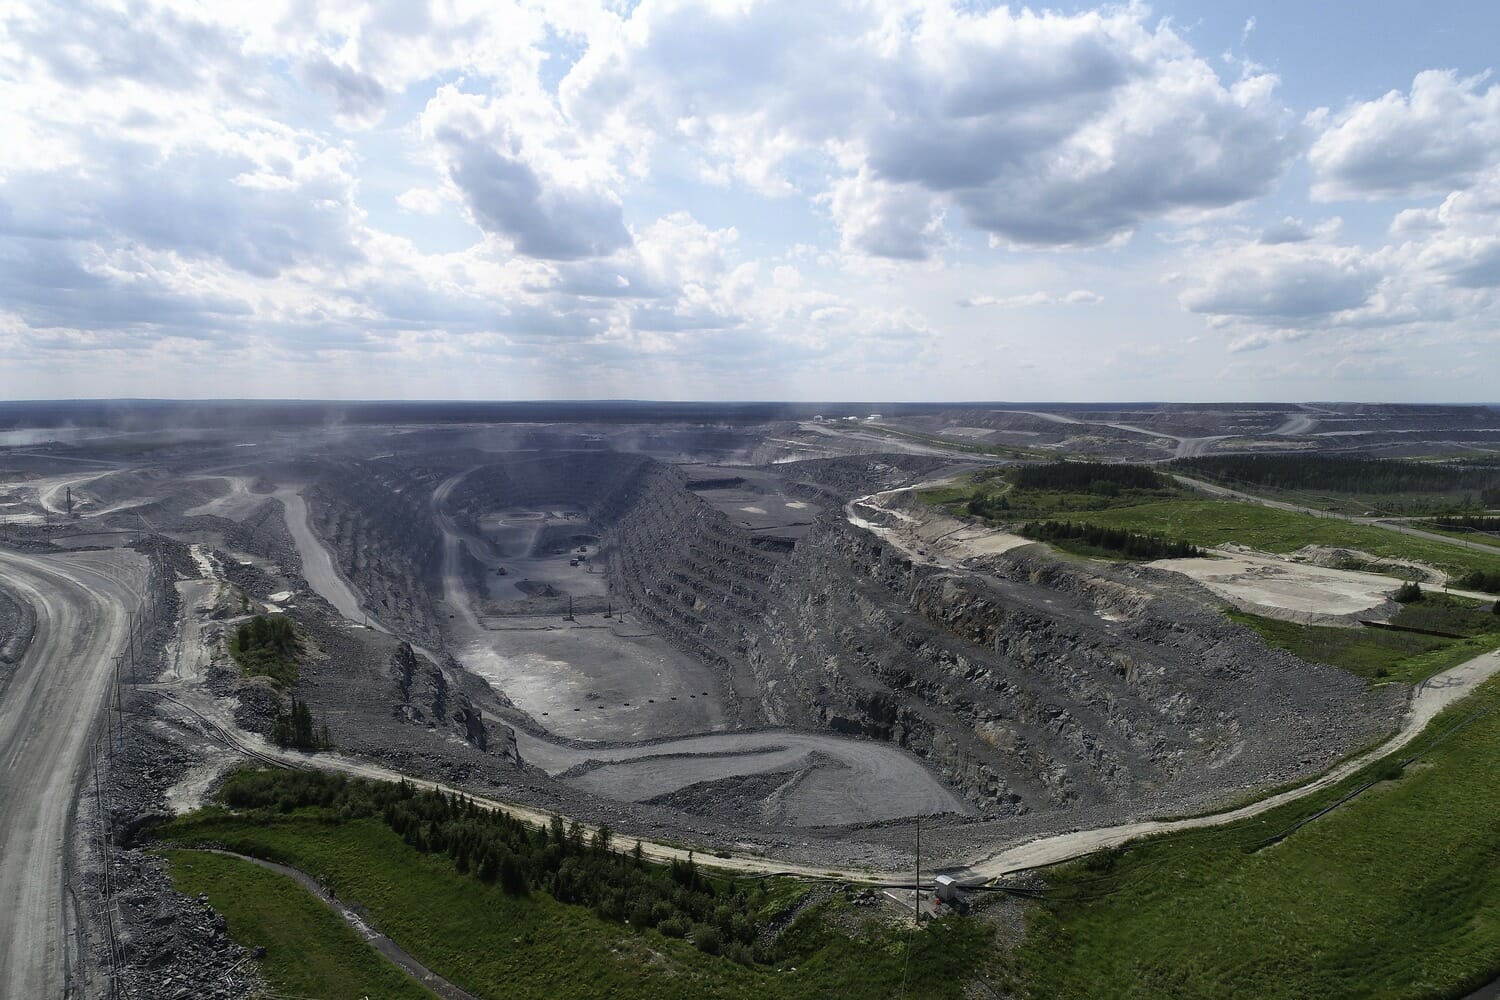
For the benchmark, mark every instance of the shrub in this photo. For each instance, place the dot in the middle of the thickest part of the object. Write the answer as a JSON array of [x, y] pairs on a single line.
[[706, 939], [1409, 592], [741, 953]]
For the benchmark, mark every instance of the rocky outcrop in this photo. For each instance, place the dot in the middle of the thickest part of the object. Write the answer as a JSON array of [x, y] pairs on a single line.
[[425, 696]]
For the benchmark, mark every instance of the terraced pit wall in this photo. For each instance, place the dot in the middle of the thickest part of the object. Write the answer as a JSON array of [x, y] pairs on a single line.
[[378, 522], [1020, 691], [691, 575]]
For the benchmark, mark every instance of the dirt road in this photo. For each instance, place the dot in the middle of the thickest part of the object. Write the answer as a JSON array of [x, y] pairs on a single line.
[[46, 730], [317, 562]]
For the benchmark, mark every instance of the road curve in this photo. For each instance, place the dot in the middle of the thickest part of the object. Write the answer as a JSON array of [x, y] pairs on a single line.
[[47, 715]]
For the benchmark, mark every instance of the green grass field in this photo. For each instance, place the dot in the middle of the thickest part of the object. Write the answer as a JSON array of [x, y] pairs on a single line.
[[1477, 537], [1179, 514], [1395, 894], [497, 946], [309, 951], [1379, 655], [1215, 522]]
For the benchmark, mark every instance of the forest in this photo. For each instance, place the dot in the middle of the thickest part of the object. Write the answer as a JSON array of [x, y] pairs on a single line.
[[1131, 544], [1347, 475], [1107, 478]]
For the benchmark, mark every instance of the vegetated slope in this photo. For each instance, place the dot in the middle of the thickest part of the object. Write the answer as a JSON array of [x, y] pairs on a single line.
[[309, 951], [376, 518], [1019, 690], [1466, 629], [1216, 522], [499, 944], [1393, 894]]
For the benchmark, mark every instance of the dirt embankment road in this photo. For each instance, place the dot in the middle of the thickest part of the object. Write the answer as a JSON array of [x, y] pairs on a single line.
[[46, 728]]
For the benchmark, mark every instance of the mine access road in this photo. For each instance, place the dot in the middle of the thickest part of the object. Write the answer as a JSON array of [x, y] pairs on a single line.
[[49, 706]]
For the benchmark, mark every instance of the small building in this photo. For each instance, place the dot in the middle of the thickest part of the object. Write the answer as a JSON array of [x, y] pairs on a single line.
[[949, 892]]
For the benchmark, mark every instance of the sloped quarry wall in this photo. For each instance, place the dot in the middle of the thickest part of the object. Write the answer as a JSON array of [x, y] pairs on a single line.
[[378, 522], [1018, 688], [691, 574]]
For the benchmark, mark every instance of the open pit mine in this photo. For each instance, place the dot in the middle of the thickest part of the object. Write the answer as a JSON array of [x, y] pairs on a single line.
[[748, 638]]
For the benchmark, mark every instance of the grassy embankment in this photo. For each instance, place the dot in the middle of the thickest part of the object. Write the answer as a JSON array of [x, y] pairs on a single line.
[[1003, 496], [1381, 655], [310, 952], [1215, 522], [1394, 894], [499, 945]]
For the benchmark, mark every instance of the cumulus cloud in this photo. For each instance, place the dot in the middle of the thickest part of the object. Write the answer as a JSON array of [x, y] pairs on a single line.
[[900, 221], [1440, 266], [1044, 129], [1442, 135], [359, 97], [1281, 282], [511, 161]]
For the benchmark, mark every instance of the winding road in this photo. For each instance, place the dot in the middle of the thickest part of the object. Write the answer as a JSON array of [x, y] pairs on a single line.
[[47, 714]]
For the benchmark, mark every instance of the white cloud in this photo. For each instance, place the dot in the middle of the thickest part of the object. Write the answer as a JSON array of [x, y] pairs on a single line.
[[1286, 282], [1077, 297], [1441, 136], [1044, 129]]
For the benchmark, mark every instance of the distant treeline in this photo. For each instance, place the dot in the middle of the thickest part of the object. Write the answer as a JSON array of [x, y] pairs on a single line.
[[1086, 477], [1127, 543], [1346, 475], [560, 860], [1476, 522]]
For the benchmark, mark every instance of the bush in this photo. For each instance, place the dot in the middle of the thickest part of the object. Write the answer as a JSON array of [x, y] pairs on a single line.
[[740, 953], [1409, 592], [267, 646], [706, 939], [673, 927], [1481, 580]]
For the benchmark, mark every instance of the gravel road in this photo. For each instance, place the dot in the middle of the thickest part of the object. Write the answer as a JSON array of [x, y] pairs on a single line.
[[46, 726], [317, 562]]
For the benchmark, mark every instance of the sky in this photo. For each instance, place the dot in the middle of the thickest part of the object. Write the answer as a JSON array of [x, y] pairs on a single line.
[[750, 199]]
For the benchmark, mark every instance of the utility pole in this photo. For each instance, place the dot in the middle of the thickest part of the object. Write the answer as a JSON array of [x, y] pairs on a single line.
[[131, 615], [918, 887]]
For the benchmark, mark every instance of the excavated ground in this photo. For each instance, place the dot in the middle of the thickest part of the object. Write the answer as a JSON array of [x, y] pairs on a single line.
[[773, 675]]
